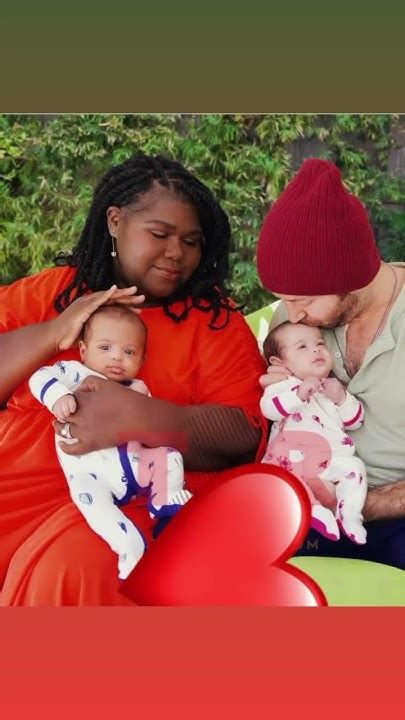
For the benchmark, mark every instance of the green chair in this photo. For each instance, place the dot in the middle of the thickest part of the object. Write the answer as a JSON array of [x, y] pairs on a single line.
[[343, 581]]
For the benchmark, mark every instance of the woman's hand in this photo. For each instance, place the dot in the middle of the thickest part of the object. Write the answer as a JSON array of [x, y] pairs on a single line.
[[101, 406], [275, 374], [67, 326], [109, 414]]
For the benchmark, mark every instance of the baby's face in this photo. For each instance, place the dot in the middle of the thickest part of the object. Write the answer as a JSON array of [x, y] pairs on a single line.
[[114, 347], [303, 351]]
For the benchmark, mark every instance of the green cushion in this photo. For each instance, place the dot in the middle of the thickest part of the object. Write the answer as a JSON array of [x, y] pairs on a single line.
[[264, 314], [354, 582], [344, 582]]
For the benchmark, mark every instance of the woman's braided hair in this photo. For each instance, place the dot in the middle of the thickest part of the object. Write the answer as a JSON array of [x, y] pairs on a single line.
[[123, 186]]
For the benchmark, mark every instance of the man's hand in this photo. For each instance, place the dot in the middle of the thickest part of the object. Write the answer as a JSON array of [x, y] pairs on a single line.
[[64, 406], [385, 502], [308, 387], [333, 389]]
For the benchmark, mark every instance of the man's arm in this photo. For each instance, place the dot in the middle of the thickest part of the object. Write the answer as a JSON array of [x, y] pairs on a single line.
[[386, 502]]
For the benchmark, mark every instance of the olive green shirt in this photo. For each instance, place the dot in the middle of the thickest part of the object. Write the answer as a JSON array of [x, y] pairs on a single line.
[[380, 385]]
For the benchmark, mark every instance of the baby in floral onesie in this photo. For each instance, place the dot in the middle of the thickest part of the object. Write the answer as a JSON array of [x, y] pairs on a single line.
[[101, 482], [311, 412]]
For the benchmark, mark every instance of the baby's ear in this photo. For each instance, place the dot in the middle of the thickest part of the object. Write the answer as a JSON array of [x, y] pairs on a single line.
[[274, 360]]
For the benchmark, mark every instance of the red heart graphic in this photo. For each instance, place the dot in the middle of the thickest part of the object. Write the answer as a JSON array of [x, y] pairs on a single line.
[[229, 545]]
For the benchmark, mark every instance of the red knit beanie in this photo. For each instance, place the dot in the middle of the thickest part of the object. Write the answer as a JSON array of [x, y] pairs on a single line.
[[317, 239]]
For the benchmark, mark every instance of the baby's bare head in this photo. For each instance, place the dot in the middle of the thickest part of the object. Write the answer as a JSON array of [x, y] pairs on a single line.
[[300, 348], [113, 342]]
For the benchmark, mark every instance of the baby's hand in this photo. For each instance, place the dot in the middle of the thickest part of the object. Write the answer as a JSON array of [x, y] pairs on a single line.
[[308, 387], [64, 407], [334, 390]]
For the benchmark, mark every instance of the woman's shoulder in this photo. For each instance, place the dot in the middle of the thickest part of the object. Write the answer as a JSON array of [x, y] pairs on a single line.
[[54, 277], [30, 299]]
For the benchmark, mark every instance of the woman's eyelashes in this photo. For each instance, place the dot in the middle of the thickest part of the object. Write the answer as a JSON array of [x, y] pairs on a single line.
[[187, 241]]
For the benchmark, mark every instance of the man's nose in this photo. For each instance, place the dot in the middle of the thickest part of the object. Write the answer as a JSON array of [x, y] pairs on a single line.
[[294, 314]]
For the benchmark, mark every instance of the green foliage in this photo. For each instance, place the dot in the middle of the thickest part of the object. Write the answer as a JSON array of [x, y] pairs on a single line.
[[49, 168]]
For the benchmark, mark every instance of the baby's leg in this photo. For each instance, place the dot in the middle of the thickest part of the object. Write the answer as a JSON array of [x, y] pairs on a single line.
[[351, 491], [303, 454], [94, 481], [322, 518], [162, 469], [96, 503]]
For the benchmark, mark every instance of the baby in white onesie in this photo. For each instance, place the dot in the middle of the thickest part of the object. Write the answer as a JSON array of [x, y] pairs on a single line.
[[112, 346], [312, 413]]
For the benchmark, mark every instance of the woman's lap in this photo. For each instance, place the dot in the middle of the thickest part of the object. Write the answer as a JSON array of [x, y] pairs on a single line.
[[65, 563]]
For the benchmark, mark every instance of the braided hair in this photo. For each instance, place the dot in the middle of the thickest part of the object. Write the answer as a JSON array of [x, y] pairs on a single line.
[[123, 186]]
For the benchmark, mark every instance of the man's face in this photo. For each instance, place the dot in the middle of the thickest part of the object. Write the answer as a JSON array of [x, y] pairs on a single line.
[[324, 311]]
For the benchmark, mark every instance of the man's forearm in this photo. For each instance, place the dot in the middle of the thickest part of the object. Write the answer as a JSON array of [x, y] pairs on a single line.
[[386, 502]]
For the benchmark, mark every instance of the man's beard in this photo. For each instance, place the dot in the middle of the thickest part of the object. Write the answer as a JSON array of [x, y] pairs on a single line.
[[343, 313]]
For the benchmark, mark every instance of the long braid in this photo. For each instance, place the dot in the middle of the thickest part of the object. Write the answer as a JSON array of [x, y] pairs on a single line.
[[122, 186]]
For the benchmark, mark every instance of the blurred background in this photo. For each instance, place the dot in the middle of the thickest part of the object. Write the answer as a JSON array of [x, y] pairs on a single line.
[[49, 165]]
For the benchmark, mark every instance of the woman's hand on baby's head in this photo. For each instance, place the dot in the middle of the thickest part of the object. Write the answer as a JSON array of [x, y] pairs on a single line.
[[67, 326], [64, 406], [128, 297], [275, 374]]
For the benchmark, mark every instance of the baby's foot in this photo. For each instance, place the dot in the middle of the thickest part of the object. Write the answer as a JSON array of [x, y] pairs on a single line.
[[130, 551], [353, 529], [172, 507], [126, 563], [324, 522]]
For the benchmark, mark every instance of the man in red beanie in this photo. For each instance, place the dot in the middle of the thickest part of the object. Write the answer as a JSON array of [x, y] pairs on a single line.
[[317, 253]]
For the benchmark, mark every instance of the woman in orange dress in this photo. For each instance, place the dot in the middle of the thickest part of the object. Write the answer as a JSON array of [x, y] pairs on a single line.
[[154, 229]]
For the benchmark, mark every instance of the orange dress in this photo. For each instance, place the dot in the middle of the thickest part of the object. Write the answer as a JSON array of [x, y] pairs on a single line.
[[48, 554]]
